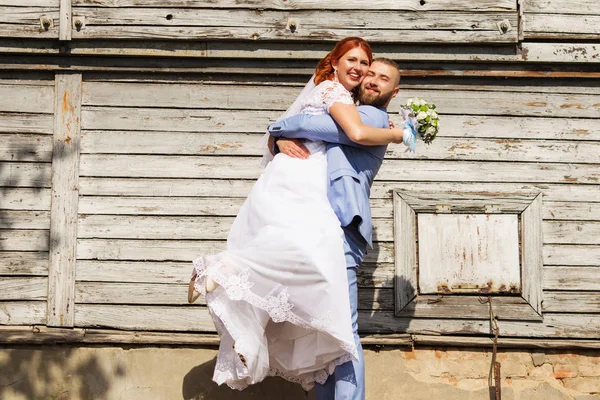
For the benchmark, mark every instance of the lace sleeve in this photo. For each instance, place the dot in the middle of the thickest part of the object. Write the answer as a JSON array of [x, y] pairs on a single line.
[[334, 92]]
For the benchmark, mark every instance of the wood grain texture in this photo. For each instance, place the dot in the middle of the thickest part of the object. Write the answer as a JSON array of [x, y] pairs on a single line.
[[22, 313], [409, 5], [572, 278], [225, 167], [24, 263], [63, 213], [532, 259]]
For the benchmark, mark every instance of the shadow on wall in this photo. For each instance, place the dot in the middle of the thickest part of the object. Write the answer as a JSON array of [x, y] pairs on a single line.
[[198, 385], [16, 175], [377, 295], [54, 372]]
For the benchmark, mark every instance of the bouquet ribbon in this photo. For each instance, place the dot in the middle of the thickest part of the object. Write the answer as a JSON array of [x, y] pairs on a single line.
[[409, 139]]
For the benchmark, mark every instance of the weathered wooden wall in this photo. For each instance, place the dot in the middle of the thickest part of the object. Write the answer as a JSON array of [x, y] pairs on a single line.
[[172, 109]]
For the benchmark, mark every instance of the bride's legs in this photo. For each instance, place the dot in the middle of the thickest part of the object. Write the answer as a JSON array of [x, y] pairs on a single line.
[[209, 283]]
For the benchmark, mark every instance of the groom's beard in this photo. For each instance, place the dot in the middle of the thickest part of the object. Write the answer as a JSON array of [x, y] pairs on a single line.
[[376, 99]]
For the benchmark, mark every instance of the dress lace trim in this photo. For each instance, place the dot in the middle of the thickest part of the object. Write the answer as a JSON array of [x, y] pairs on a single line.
[[324, 96], [237, 287]]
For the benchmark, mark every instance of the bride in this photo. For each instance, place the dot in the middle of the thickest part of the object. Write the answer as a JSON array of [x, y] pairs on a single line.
[[279, 294]]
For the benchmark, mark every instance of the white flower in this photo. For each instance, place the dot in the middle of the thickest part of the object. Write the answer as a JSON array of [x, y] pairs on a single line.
[[421, 115], [430, 130], [422, 102], [409, 102]]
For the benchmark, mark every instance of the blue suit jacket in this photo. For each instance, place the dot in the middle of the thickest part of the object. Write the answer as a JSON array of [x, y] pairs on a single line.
[[351, 166]]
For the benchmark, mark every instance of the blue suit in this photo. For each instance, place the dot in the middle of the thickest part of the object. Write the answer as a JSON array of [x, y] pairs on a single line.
[[351, 169]]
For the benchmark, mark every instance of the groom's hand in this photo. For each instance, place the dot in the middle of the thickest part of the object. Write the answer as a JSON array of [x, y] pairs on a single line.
[[293, 148]]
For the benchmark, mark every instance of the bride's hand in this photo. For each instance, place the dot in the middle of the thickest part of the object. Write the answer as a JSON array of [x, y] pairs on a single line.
[[397, 134], [293, 148]]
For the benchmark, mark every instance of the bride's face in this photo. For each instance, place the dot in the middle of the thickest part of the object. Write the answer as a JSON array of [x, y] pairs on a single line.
[[352, 67]]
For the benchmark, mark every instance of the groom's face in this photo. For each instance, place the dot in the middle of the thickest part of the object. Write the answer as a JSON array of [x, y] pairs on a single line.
[[380, 85]]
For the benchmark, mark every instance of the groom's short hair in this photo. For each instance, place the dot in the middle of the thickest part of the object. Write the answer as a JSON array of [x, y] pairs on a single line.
[[391, 63]]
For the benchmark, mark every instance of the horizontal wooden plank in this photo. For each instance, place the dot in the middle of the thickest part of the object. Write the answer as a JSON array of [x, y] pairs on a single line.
[[569, 302], [476, 203], [143, 166], [554, 326], [24, 219], [26, 99], [249, 24], [269, 33], [24, 240], [572, 278], [235, 129], [176, 294], [369, 275], [526, 53], [22, 312], [20, 288], [136, 272], [562, 7], [307, 20], [576, 255], [159, 318], [562, 26], [409, 5], [380, 190], [566, 232], [199, 206], [29, 3], [501, 150], [133, 293], [571, 211], [44, 335], [179, 250], [173, 120], [29, 16], [136, 142], [29, 31], [23, 263], [177, 227], [229, 206], [173, 318], [507, 343], [25, 199], [206, 206], [151, 227], [17, 174], [15, 147], [118, 142], [278, 98], [505, 308], [26, 123]]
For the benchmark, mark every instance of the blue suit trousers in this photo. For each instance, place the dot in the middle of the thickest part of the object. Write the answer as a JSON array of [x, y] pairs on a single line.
[[348, 380]]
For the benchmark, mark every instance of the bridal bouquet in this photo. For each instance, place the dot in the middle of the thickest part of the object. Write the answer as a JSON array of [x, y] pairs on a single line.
[[420, 118]]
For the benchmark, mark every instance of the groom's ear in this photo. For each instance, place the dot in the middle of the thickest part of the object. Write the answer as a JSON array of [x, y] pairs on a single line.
[[395, 91]]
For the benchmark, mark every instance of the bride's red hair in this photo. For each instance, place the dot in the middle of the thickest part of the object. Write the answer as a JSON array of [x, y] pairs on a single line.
[[324, 70]]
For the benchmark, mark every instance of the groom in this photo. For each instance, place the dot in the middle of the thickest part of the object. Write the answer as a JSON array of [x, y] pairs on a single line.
[[351, 168]]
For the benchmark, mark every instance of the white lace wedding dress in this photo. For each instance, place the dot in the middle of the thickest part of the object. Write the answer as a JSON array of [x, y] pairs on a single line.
[[282, 307]]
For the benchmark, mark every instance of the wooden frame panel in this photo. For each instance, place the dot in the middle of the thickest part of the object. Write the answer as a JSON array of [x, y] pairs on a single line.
[[409, 304]]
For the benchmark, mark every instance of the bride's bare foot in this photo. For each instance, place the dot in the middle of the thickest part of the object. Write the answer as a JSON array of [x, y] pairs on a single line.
[[192, 293], [210, 285]]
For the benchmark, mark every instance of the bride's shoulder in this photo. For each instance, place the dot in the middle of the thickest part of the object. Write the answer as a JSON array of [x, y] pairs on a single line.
[[332, 90], [330, 85]]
